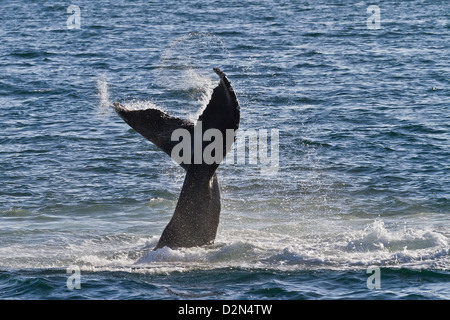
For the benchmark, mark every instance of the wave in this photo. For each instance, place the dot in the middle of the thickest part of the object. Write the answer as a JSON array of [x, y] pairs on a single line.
[[281, 249], [375, 245]]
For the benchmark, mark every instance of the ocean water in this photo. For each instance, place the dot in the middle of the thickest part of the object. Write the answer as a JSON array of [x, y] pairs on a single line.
[[356, 207]]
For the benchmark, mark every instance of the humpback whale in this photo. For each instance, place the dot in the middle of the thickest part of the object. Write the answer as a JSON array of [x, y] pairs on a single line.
[[196, 217]]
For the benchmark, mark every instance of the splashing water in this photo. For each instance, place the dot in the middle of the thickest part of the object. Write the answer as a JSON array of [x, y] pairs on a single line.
[[182, 68], [178, 71], [137, 104], [104, 106]]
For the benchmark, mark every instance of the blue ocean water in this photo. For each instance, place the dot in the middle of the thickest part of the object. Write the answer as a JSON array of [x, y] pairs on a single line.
[[363, 178]]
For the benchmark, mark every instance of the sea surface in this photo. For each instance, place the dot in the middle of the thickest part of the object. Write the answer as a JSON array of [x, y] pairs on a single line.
[[356, 204]]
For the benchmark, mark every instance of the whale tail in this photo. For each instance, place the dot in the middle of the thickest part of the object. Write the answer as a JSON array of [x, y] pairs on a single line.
[[221, 113], [196, 215]]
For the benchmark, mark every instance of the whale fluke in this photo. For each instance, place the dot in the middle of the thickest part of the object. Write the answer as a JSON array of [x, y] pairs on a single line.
[[196, 216]]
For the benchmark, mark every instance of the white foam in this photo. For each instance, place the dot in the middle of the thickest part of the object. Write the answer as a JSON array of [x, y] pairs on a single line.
[[375, 243], [173, 255], [376, 237], [394, 246]]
